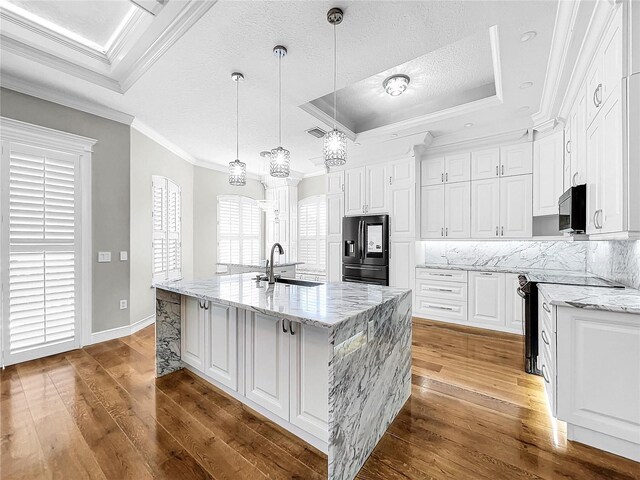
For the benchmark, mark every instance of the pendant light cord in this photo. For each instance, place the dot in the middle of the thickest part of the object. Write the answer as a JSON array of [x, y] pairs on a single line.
[[335, 75], [237, 121], [279, 100]]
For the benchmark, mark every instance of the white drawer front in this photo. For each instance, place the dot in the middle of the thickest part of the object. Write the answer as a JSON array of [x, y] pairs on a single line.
[[442, 274], [549, 375], [440, 309], [444, 290]]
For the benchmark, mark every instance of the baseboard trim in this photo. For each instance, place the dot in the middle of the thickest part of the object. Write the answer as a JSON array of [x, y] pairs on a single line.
[[123, 331]]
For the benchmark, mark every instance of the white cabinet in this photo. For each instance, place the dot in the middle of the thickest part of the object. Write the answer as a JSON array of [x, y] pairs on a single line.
[[514, 306], [516, 159], [485, 208], [441, 295], [401, 263], [432, 211], [487, 298], [335, 212], [267, 363], [335, 183], [432, 171], [309, 370], [547, 322], [366, 190], [515, 207], [576, 144], [598, 372], [221, 340], [548, 163], [457, 206], [334, 261], [402, 199], [192, 332], [485, 164], [457, 168]]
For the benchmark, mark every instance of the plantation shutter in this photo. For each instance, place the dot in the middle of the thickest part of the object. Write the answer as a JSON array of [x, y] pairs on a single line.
[[312, 232], [43, 210], [167, 235], [239, 230], [174, 220]]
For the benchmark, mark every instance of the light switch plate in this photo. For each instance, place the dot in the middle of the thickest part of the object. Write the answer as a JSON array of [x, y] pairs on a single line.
[[104, 257], [123, 304], [124, 256]]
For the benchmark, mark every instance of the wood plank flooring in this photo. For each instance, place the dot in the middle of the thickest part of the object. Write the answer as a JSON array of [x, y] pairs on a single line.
[[100, 413]]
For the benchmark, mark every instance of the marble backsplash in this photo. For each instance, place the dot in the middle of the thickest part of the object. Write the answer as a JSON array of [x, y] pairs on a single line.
[[552, 255], [617, 260]]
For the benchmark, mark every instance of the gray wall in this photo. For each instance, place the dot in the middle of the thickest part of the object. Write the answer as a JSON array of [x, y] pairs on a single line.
[[207, 185], [149, 158], [110, 195], [311, 186]]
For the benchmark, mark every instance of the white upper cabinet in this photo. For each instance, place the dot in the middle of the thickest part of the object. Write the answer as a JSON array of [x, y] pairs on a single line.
[[548, 162], [432, 211], [376, 197], [432, 171], [576, 144], [457, 168], [335, 183], [457, 201], [516, 207], [335, 212], [516, 159], [355, 191], [402, 199], [485, 208], [485, 164]]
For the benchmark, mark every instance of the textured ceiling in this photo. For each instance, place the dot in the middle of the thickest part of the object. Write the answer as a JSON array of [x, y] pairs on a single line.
[[188, 97]]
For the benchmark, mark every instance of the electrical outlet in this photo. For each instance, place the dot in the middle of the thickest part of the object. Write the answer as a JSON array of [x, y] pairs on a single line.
[[104, 257], [123, 304], [124, 256]]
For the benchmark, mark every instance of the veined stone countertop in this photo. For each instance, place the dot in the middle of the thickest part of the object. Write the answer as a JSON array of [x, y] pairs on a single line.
[[538, 272], [625, 300], [259, 266], [325, 305]]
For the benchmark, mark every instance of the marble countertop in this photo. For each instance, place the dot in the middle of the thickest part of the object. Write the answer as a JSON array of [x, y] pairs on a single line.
[[625, 300], [325, 305], [537, 272], [259, 266]]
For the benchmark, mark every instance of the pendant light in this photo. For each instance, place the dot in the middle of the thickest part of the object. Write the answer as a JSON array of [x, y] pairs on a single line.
[[280, 163], [335, 141], [237, 169]]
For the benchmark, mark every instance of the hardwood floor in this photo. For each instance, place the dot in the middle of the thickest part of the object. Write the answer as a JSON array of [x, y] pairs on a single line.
[[99, 413]]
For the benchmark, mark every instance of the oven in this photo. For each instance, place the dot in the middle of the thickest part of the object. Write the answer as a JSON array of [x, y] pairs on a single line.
[[529, 292], [572, 210]]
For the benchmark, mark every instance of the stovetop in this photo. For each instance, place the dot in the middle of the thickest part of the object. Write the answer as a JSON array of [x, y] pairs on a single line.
[[568, 279]]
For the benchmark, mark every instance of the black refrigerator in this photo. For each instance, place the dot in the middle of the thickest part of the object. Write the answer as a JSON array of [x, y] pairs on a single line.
[[365, 249]]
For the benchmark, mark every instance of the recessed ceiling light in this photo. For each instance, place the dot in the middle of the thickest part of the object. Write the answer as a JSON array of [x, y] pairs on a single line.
[[526, 36], [357, 144], [524, 108], [524, 85], [394, 135], [467, 125], [396, 84]]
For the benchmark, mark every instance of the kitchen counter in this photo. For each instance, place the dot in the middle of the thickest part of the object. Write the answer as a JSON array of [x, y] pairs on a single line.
[[330, 363], [539, 273], [259, 266], [625, 300]]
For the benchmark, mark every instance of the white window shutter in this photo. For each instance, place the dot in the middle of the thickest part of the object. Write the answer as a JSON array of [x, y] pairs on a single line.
[[239, 230], [174, 217], [160, 228], [312, 232]]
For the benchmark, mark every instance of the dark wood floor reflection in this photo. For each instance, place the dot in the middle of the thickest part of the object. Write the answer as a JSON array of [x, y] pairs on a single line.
[[99, 413]]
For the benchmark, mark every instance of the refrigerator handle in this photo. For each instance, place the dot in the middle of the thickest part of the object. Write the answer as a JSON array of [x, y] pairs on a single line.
[[361, 238]]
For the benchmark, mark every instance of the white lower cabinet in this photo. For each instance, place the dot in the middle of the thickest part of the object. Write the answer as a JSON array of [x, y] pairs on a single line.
[[192, 331], [221, 339], [487, 298], [514, 304]]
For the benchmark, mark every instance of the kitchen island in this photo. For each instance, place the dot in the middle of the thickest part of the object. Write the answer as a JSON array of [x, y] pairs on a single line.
[[331, 363]]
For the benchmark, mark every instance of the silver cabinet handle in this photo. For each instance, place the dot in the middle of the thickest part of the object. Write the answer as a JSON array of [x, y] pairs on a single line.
[[446, 177], [486, 274], [502, 231], [442, 177], [291, 328], [546, 307], [390, 181], [203, 304], [596, 218], [438, 289], [544, 337], [544, 374], [502, 170], [446, 232], [441, 274], [442, 231], [284, 326], [574, 179], [206, 305], [496, 170], [200, 303], [595, 222], [568, 146], [496, 231], [439, 307], [597, 97]]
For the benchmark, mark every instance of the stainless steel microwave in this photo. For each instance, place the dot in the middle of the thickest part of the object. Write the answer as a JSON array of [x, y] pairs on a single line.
[[572, 210]]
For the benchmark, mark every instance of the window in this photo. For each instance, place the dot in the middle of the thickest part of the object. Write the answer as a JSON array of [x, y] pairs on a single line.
[[167, 219], [239, 230], [312, 221]]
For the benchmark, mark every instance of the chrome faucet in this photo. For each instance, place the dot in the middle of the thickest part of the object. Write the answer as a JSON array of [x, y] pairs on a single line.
[[272, 278]]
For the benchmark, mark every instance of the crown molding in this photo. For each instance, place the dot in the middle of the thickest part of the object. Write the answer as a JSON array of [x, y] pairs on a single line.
[[449, 143], [495, 58], [45, 137], [45, 93]]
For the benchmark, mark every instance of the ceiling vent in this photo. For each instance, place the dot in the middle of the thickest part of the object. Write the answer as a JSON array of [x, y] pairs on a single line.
[[316, 132]]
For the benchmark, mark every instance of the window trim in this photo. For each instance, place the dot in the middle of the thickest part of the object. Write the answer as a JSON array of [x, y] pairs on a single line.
[[168, 185]]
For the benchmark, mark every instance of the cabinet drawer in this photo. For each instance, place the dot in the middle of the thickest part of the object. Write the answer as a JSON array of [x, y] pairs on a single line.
[[439, 289], [442, 274], [440, 309], [546, 313]]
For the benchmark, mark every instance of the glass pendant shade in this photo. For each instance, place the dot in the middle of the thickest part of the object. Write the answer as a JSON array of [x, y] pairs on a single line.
[[335, 148], [280, 162], [237, 173]]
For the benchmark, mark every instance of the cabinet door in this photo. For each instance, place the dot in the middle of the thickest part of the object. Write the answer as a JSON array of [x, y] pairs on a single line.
[[612, 172], [594, 88], [192, 335], [377, 181], [432, 171], [514, 307], [432, 211], [354, 191], [516, 159], [612, 57], [485, 164], [457, 208], [566, 167], [457, 168], [401, 264], [334, 261], [487, 298], [402, 196], [485, 208], [309, 367], [547, 173], [221, 344], [516, 220], [267, 363], [335, 183], [335, 212], [578, 145], [594, 180]]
